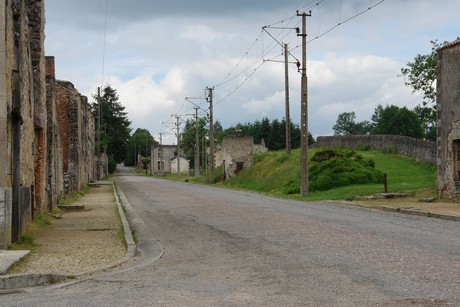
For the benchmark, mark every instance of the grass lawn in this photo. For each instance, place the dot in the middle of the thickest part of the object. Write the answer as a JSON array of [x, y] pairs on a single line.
[[273, 170]]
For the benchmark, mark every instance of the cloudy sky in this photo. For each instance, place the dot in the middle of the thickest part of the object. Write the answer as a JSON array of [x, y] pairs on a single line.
[[155, 53]]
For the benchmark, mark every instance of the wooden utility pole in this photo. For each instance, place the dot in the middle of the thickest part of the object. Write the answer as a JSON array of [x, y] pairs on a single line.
[[211, 137], [304, 110], [178, 144], [286, 91], [99, 112], [197, 145], [161, 154]]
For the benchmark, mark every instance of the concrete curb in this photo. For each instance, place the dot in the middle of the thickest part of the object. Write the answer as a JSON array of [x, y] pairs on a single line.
[[149, 247], [131, 245], [17, 283]]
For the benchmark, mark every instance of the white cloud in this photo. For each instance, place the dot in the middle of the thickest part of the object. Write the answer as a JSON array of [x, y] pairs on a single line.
[[157, 53]]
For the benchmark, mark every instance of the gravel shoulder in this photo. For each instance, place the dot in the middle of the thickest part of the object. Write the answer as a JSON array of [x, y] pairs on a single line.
[[81, 241]]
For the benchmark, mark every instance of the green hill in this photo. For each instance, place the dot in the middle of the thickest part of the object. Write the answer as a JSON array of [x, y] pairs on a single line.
[[274, 172]]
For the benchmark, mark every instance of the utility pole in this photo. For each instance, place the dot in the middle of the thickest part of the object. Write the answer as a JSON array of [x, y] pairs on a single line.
[[99, 133], [304, 110], [161, 154], [211, 137], [197, 145], [286, 91], [203, 154], [178, 145]]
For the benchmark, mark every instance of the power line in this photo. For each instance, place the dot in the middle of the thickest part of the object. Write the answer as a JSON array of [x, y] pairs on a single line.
[[104, 44], [259, 61], [345, 21]]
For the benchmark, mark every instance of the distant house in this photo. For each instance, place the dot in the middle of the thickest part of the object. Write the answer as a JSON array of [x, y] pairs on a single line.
[[448, 120], [164, 160]]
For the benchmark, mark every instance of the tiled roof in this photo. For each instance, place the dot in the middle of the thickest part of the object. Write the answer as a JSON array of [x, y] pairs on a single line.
[[455, 43]]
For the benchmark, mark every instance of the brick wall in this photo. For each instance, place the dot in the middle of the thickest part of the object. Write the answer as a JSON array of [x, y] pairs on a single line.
[[63, 103], [40, 170]]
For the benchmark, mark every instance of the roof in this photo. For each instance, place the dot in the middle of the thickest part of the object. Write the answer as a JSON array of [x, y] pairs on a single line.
[[175, 157], [453, 44]]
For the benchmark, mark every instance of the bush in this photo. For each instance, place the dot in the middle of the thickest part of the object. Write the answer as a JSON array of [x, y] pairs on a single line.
[[112, 165], [335, 168], [292, 187]]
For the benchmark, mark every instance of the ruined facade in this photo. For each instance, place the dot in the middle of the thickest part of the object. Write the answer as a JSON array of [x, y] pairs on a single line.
[[23, 114], [32, 172], [164, 160], [448, 120], [237, 153], [76, 125]]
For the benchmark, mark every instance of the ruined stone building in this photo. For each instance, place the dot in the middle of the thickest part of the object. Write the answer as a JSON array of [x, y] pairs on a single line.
[[448, 120], [165, 160], [237, 152], [35, 110]]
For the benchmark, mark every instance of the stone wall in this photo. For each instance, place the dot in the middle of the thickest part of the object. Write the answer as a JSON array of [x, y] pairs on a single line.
[[24, 124], [76, 126], [5, 157], [31, 147], [5, 217], [55, 176], [421, 150], [448, 120]]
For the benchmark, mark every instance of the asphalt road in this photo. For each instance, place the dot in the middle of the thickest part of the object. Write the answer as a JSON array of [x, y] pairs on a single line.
[[228, 248]]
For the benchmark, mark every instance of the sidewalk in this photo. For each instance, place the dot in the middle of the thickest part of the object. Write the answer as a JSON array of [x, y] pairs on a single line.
[[411, 206], [89, 237]]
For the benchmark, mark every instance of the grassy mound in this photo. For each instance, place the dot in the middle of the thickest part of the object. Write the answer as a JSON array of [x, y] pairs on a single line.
[[331, 168], [278, 174]]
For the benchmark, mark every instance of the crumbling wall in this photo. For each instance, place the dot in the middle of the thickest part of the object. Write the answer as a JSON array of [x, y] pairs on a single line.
[[32, 150], [5, 125], [24, 38], [448, 120], [55, 167], [237, 153], [421, 150], [76, 126]]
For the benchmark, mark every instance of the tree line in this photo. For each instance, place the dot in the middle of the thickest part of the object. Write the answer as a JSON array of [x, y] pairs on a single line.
[[385, 120]]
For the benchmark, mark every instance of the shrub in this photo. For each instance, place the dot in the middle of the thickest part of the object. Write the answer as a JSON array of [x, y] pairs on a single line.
[[112, 165], [292, 187], [335, 168]]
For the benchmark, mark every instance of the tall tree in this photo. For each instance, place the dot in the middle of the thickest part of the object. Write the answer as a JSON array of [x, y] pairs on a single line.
[[346, 125], [139, 143], [420, 74], [115, 130], [398, 121], [276, 139], [189, 138]]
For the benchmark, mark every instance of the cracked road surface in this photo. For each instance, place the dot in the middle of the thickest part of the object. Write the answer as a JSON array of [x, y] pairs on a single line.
[[232, 248]]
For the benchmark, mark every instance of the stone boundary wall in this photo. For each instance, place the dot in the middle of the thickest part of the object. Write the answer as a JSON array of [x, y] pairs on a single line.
[[421, 150]]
